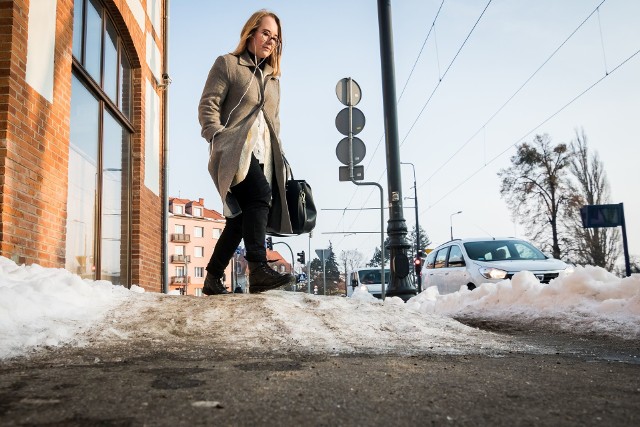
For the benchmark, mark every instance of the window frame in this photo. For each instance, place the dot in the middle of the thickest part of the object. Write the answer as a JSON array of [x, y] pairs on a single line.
[[444, 250], [87, 79], [107, 106], [461, 263], [431, 260]]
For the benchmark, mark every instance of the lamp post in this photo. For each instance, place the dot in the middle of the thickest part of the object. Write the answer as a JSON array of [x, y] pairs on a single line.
[[415, 199], [451, 222], [399, 283]]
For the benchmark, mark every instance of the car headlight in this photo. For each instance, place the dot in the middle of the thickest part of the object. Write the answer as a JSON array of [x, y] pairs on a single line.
[[493, 273], [570, 269]]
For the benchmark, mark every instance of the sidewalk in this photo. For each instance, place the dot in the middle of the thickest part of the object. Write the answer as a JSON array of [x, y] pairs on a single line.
[[150, 383]]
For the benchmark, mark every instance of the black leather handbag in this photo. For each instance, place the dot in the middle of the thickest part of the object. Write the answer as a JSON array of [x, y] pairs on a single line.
[[302, 209]]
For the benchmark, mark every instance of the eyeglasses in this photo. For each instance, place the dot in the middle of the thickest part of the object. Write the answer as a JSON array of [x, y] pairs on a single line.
[[267, 37]]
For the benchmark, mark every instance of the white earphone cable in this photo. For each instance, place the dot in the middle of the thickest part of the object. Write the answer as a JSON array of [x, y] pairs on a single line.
[[253, 75]]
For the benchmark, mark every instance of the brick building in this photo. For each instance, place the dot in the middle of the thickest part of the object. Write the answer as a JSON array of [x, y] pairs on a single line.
[[194, 231], [82, 90]]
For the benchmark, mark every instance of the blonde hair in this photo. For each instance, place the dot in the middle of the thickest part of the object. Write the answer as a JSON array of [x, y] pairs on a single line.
[[249, 29]]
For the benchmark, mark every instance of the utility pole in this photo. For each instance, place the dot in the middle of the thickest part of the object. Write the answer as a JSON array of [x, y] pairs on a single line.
[[451, 222], [418, 249], [323, 254]]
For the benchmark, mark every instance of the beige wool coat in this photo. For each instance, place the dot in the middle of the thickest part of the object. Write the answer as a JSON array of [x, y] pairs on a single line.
[[224, 101]]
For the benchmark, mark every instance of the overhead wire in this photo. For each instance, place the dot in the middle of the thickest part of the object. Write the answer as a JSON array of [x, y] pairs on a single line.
[[499, 109], [513, 95], [604, 54], [449, 192], [415, 63], [445, 73], [440, 79], [397, 102]]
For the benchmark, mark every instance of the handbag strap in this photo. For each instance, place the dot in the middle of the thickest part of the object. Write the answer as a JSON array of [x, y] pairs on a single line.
[[287, 166]]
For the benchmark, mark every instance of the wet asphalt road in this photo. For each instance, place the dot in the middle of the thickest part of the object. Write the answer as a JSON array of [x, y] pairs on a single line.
[[588, 380]]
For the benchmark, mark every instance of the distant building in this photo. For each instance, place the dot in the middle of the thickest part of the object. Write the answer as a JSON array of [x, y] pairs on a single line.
[[194, 231], [82, 137], [277, 262]]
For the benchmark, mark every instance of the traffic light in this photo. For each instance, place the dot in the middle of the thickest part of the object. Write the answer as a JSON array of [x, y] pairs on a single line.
[[301, 257], [418, 265], [269, 243]]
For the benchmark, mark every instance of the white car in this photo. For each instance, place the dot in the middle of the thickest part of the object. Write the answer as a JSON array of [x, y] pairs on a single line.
[[369, 278], [471, 262]]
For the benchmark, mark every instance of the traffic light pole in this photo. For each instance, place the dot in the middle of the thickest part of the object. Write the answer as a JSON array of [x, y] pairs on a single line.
[[292, 259], [399, 285]]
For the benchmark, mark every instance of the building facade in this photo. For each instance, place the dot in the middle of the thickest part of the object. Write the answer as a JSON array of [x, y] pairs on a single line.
[[193, 233], [82, 89]]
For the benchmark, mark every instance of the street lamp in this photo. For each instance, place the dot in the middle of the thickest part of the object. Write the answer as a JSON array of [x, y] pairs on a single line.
[[451, 222], [415, 196]]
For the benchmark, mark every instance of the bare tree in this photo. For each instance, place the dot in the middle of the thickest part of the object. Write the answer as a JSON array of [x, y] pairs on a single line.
[[634, 262], [593, 246], [351, 259], [536, 189]]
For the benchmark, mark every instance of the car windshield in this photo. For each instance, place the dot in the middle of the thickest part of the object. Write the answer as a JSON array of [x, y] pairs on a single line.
[[498, 250], [369, 277]]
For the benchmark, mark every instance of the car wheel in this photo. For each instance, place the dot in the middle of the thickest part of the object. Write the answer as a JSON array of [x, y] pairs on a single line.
[[471, 286]]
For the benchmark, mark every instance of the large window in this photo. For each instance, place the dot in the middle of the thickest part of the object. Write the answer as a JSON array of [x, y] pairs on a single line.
[[98, 50], [83, 182], [98, 202]]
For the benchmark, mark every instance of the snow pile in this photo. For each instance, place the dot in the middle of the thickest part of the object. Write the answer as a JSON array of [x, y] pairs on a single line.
[[46, 306], [50, 307], [588, 300]]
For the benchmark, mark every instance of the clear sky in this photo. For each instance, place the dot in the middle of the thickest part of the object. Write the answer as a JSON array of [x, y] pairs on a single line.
[[451, 125]]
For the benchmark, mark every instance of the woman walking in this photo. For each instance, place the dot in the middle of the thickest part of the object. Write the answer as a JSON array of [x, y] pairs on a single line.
[[239, 115]]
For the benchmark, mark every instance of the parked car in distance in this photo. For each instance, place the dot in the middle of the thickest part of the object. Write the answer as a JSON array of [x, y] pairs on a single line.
[[369, 277], [471, 262]]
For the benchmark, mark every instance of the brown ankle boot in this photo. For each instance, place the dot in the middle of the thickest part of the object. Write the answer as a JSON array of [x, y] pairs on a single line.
[[263, 278]]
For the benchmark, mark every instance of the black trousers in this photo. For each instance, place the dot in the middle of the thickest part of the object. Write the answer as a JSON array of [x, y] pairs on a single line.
[[254, 197]]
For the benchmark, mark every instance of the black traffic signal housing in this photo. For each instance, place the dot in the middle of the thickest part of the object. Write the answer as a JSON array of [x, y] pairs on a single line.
[[269, 243], [301, 257], [417, 264]]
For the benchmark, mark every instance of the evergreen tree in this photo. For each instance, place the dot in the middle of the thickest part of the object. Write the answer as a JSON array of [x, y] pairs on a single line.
[[331, 274], [424, 240], [376, 259], [411, 238]]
